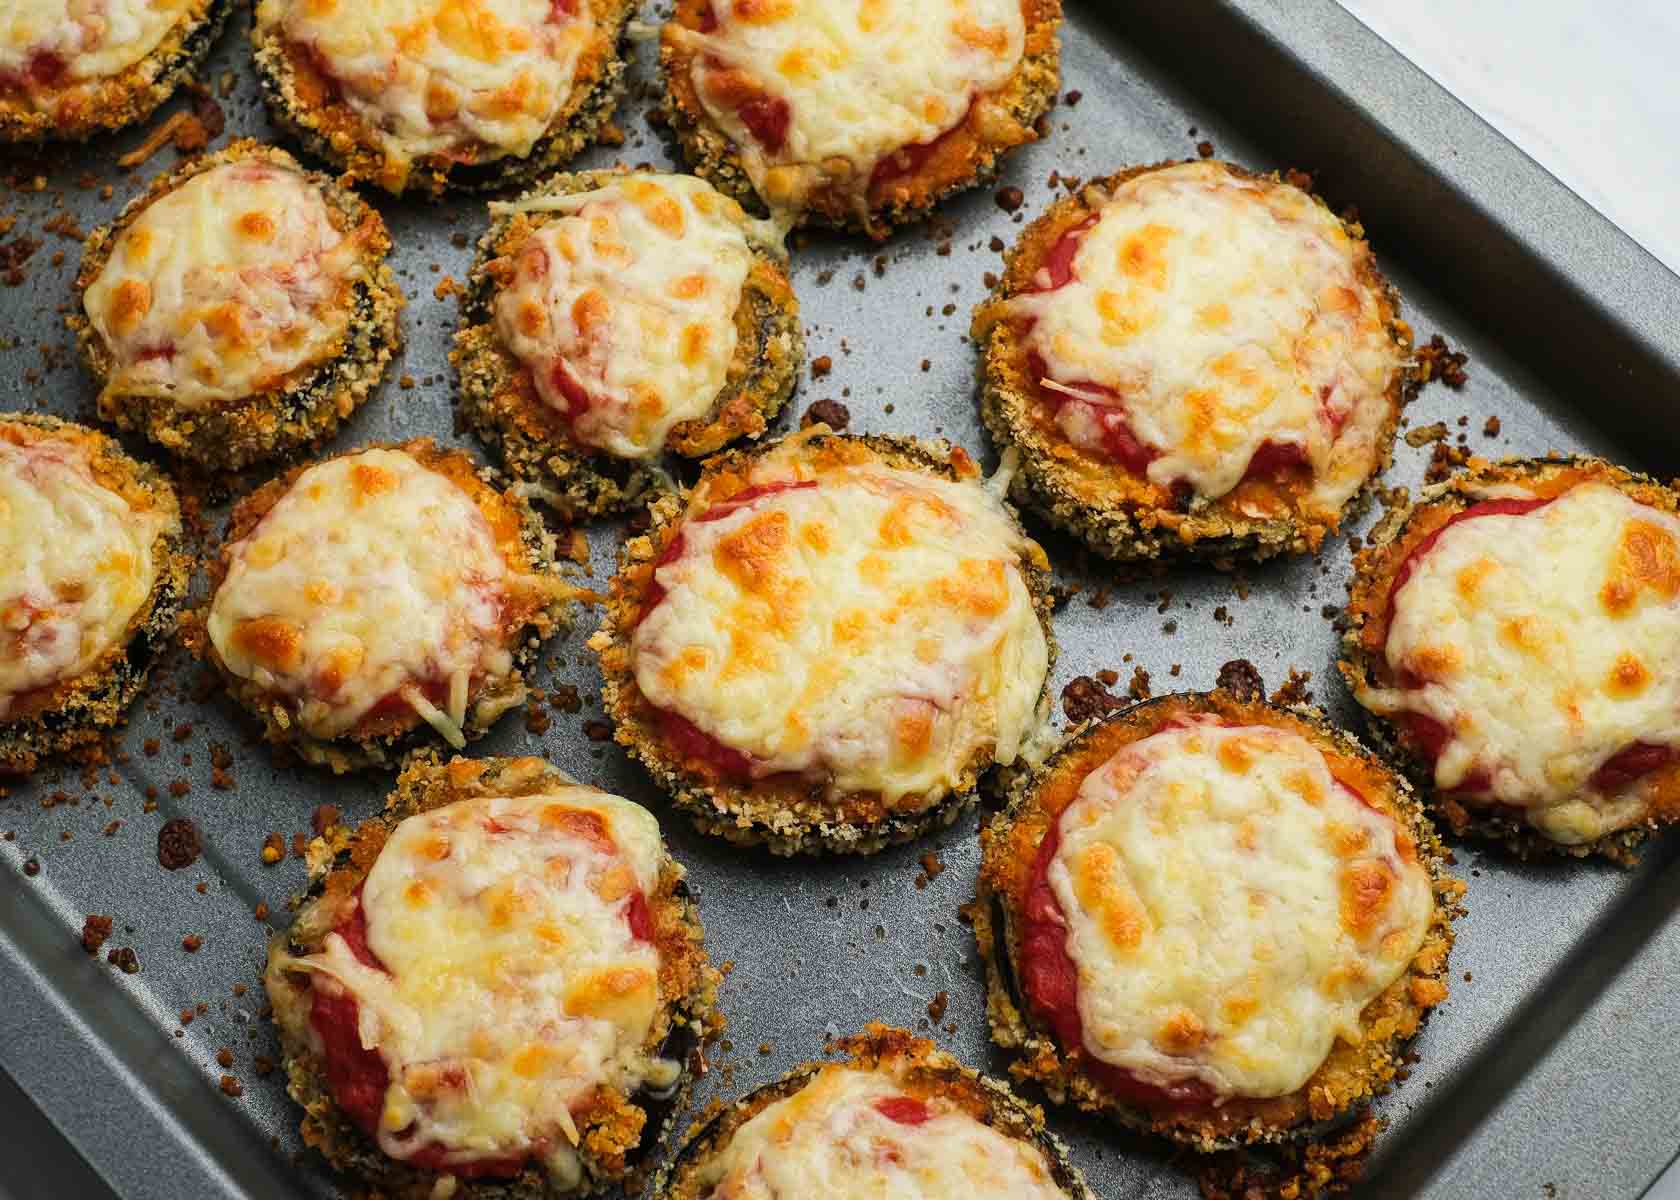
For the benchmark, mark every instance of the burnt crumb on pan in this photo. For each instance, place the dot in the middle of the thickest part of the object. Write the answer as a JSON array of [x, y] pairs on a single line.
[[178, 844], [1084, 698], [827, 412], [1010, 198], [1241, 679], [124, 959], [96, 930], [1438, 360], [1298, 1171]]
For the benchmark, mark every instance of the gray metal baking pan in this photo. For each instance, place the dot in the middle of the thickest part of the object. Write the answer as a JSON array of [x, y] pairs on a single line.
[[1552, 1070]]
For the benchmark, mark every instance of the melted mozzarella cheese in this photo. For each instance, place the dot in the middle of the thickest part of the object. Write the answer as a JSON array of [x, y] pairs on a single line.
[[860, 80], [1231, 908], [830, 1141], [372, 577], [634, 290], [431, 76], [76, 564], [877, 626], [1546, 642], [513, 985], [224, 286], [88, 39], [1223, 313]]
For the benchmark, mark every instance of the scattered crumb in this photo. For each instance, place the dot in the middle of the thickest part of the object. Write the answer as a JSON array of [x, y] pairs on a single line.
[[95, 931], [1010, 198], [1241, 679], [1084, 698], [821, 366], [178, 844], [273, 849], [827, 412]]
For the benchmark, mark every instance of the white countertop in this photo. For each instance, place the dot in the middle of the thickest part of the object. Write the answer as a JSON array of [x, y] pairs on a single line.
[[1589, 88]]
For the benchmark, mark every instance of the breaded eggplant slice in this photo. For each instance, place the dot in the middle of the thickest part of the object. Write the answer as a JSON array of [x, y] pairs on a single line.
[[367, 604], [91, 580], [1200, 812], [70, 69], [898, 1116], [927, 608], [1515, 636], [272, 319], [909, 105], [612, 316], [430, 101], [1193, 360], [483, 853]]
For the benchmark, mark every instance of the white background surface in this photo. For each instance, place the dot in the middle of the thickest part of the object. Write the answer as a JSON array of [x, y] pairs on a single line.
[[1589, 88]]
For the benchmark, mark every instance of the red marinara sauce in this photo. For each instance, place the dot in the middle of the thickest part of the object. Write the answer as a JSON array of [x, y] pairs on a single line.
[[357, 1075]]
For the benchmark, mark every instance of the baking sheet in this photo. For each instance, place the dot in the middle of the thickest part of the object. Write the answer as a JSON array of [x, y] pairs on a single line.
[[1486, 250]]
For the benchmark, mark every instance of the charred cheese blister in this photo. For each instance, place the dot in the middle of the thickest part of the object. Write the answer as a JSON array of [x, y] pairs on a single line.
[[514, 985], [1220, 313], [834, 1139], [876, 626], [79, 40], [1545, 642], [224, 286], [76, 564], [1231, 908], [629, 298], [372, 579], [431, 76], [852, 82]]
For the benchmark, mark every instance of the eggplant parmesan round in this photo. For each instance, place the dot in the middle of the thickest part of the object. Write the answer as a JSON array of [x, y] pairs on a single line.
[[827, 641], [898, 1117], [856, 115], [494, 989], [613, 316], [239, 309], [1517, 635], [91, 579], [1212, 919], [432, 96], [366, 601], [72, 68], [1193, 360]]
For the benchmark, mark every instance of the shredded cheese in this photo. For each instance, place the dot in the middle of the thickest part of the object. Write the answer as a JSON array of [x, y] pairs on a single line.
[[224, 286], [831, 1140], [877, 626], [1545, 643], [513, 985], [1222, 313], [372, 577], [76, 564], [1231, 908], [628, 298]]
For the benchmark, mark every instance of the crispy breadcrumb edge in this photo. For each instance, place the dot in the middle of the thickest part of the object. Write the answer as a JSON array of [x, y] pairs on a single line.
[[298, 412], [76, 714], [131, 95], [1386, 548], [915, 1064], [787, 819], [1023, 100], [1118, 527], [1349, 1076], [487, 702], [334, 133], [533, 442], [617, 1137]]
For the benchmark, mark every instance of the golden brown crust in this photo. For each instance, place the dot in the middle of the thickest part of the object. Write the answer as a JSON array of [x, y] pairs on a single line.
[[499, 400], [919, 1067], [966, 157], [1364, 664], [1349, 1076], [787, 814], [306, 104], [1117, 512], [300, 410], [76, 713], [618, 1130], [382, 740], [98, 106]]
